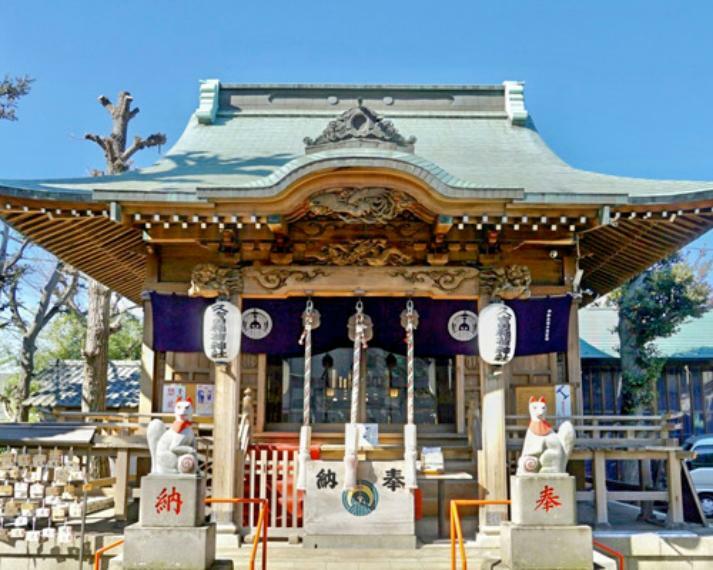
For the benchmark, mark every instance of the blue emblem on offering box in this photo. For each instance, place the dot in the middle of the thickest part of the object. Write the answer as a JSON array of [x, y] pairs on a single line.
[[362, 500]]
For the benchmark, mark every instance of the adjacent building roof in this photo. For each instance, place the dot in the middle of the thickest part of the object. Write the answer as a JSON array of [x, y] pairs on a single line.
[[599, 337], [247, 140], [60, 385]]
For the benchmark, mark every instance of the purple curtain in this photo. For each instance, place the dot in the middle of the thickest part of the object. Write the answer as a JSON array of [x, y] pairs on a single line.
[[542, 325], [431, 338], [178, 322]]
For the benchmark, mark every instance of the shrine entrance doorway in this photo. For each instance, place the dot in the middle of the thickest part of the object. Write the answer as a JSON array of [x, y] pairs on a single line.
[[382, 397], [438, 377]]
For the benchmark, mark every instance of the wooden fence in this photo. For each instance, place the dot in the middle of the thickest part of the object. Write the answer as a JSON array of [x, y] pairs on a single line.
[[641, 439], [271, 473]]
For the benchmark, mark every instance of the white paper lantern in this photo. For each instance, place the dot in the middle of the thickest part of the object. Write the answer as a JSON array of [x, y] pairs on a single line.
[[222, 329], [496, 334]]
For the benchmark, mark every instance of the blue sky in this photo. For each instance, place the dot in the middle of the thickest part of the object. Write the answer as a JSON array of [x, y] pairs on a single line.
[[621, 87]]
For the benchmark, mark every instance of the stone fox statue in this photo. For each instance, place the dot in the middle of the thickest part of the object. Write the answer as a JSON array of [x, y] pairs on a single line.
[[173, 448], [544, 450]]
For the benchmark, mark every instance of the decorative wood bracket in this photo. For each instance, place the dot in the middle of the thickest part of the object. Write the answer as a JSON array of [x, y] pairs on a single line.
[[208, 280]]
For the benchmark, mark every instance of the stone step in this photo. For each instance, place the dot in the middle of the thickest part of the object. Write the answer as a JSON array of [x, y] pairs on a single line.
[[293, 557]]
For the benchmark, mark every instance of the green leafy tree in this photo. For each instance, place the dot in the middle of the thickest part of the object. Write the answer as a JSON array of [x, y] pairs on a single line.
[[62, 340], [653, 305]]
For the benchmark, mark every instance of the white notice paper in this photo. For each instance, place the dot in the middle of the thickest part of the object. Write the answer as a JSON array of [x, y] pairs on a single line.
[[368, 435], [171, 394], [205, 394]]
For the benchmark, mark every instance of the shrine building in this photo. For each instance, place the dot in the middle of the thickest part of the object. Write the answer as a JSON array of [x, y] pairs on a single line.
[[392, 215]]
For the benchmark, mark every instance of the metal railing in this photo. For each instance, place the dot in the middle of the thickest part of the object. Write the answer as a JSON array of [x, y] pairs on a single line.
[[261, 525], [456, 526], [620, 562], [457, 533], [98, 554], [260, 531]]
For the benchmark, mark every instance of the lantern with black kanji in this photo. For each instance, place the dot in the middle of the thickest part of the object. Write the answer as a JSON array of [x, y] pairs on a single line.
[[222, 329], [496, 334]]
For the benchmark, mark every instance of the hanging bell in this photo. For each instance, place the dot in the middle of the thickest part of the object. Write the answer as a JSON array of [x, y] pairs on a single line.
[[409, 314], [366, 323], [310, 311]]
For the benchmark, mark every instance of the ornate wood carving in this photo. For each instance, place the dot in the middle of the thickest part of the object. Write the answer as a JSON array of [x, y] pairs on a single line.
[[443, 279], [508, 282], [359, 124], [375, 252], [361, 205], [208, 280], [274, 279]]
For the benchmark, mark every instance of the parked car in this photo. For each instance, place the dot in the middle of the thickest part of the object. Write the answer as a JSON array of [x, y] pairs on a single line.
[[701, 468]]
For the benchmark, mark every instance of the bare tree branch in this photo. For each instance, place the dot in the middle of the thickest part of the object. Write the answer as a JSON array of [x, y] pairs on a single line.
[[15, 259], [106, 103], [156, 139], [97, 139], [14, 306]]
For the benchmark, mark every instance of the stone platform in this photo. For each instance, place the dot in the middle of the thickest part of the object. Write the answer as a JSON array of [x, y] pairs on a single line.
[[161, 547], [118, 564], [544, 547]]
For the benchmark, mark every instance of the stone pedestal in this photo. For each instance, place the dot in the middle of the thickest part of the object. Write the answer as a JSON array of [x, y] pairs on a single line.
[[182, 548], [160, 497], [171, 532], [546, 547], [544, 534], [543, 499]]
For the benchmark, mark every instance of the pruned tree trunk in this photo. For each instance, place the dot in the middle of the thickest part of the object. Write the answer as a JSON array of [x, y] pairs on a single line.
[[99, 327], [27, 373], [96, 361], [96, 348]]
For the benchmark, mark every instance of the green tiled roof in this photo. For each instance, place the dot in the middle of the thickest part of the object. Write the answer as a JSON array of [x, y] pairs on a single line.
[[598, 337], [249, 142]]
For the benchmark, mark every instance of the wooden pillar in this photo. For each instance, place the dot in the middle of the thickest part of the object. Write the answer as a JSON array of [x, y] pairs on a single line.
[[148, 363], [574, 360], [492, 460], [600, 489], [459, 371], [674, 518], [226, 420], [121, 485]]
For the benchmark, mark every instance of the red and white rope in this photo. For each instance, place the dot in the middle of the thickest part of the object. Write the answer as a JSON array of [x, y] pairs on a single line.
[[306, 339], [409, 363], [359, 344], [409, 374]]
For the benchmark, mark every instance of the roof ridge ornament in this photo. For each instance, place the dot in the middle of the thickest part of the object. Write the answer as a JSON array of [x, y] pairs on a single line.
[[360, 127], [515, 102], [208, 101]]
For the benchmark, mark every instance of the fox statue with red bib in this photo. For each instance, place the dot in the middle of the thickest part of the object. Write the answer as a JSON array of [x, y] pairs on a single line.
[[173, 448], [545, 450]]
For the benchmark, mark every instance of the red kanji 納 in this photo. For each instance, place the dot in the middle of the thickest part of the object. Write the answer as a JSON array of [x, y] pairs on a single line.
[[166, 500]]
